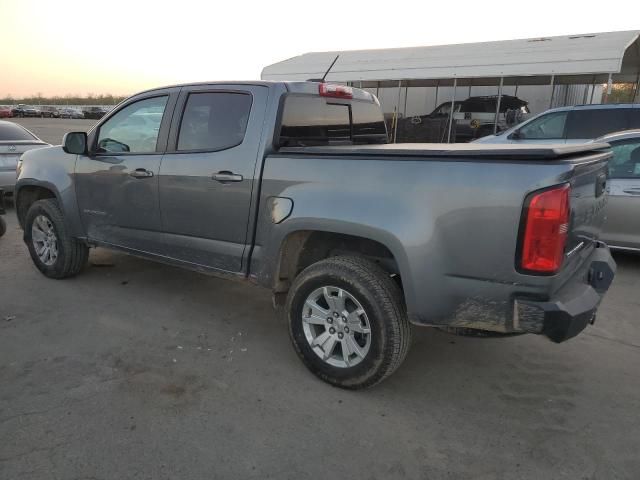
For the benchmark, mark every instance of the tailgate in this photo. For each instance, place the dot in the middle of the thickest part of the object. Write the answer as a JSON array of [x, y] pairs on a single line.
[[588, 201]]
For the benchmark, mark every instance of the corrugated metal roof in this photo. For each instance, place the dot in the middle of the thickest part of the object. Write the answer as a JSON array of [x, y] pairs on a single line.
[[563, 55]]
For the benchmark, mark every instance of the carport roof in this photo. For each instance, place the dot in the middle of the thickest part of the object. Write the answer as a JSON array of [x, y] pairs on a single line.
[[594, 53]]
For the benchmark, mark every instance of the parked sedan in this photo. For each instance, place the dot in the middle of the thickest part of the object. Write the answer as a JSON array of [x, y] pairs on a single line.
[[51, 112], [71, 113], [26, 111], [6, 112], [622, 228], [95, 113], [14, 141], [3, 224]]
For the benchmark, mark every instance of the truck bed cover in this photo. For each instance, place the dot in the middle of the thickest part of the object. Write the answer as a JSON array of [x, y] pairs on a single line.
[[457, 150]]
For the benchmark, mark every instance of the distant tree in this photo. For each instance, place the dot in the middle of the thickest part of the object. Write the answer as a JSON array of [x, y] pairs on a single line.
[[68, 99], [620, 93]]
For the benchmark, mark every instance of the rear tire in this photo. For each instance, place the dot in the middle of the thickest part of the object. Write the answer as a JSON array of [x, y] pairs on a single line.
[[53, 250], [373, 308]]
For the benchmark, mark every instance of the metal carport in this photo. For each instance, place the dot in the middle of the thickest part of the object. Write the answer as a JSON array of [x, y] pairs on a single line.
[[586, 59]]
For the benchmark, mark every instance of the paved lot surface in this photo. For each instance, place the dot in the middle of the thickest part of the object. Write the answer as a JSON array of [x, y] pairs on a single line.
[[138, 370], [51, 130]]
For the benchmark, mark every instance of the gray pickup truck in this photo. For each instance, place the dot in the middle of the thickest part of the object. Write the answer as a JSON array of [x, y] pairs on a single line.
[[292, 186]]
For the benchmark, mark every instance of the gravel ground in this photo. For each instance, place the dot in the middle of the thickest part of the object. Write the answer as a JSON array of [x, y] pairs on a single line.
[[139, 370]]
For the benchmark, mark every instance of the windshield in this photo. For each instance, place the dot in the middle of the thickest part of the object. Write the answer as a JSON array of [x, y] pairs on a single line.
[[626, 159]]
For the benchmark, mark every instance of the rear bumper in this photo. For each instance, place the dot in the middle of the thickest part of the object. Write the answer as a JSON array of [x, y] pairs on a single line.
[[574, 306], [7, 180], [505, 308]]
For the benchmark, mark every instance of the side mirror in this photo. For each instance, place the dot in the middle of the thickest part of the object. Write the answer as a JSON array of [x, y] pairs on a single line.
[[517, 135], [75, 143]]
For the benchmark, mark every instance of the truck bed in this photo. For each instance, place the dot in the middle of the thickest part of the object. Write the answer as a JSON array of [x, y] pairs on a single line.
[[449, 214]]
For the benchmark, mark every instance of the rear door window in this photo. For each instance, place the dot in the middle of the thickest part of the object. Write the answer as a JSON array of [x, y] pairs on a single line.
[[626, 159], [214, 121], [594, 123], [547, 127]]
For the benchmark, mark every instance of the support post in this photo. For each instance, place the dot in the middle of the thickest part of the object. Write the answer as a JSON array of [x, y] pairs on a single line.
[[395, 126], [553, 89], [453, 103], [406, 94], [495, 120], [609, 89], [593, 87]]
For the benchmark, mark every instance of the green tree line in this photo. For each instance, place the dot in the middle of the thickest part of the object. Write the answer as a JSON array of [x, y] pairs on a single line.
[[38, 99]]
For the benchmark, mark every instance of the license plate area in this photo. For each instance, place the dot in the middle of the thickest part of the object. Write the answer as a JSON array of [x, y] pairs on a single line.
[[8, 161]]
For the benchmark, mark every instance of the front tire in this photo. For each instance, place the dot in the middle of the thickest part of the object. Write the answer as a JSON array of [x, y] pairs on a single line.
[[53, 250], [348, 322]]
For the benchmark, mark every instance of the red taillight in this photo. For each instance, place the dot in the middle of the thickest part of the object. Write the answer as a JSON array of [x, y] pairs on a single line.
[[545, 231], [335, 91]]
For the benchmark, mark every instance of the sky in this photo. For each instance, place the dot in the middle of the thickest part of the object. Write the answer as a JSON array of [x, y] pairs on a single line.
[[77, 47]]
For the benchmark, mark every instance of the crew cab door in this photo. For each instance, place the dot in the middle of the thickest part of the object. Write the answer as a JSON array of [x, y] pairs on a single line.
[[208, 174], [117, 182]]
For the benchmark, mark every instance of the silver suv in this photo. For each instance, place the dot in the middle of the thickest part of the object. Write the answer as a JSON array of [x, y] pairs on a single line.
[[575, 124]]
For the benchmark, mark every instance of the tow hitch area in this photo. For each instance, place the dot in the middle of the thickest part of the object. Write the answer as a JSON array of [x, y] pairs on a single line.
[[574, 307], [602, 269]]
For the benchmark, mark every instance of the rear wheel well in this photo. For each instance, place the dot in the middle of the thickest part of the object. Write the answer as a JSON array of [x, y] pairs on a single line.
[[303, 248], [26, 196]]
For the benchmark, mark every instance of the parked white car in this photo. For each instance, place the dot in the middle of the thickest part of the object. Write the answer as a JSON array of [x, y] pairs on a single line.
[[622, 227], [14, 141]]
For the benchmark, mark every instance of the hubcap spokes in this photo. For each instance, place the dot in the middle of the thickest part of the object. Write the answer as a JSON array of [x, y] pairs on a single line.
[[45, 241], [336, 326]]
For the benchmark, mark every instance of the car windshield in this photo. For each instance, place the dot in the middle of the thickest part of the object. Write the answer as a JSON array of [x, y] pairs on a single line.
[[12, 132]]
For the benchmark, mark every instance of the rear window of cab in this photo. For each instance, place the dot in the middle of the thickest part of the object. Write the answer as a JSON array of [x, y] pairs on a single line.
[[309, 120]]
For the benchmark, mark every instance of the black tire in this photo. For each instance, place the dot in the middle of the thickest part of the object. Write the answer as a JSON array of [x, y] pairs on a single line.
[[3, 227], [383, 303], [72, 253]]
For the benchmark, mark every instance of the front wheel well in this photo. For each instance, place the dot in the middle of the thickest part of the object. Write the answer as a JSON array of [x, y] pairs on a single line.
[[26, 196], [303, 248]]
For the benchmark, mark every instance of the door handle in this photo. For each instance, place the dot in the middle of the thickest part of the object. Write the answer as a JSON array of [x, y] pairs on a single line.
[[226, 176], [141, 173]]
